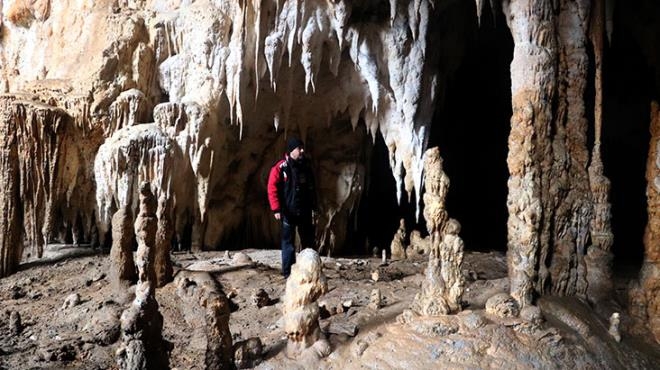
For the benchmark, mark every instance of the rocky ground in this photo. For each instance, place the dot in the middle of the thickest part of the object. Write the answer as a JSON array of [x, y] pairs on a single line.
[[61, 313]]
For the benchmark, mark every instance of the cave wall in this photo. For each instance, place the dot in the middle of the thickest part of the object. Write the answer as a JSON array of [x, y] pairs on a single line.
[[197, 97]]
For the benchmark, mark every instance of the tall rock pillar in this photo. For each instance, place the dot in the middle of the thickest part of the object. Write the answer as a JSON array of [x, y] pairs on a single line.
[[645, 297], [533, 89], [10, 222]]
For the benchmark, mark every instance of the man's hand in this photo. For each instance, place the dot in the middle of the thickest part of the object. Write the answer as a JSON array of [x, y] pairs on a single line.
[[278, 216]]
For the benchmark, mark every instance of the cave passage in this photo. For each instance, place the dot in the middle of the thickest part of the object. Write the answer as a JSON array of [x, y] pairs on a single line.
[[380, 212], [471, 128], [627, 93]]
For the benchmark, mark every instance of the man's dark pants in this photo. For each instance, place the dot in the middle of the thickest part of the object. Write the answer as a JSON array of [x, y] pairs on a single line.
[[306, 232]]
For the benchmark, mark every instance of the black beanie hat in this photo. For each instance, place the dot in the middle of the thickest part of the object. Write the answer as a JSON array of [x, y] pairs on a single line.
[[293, 143]]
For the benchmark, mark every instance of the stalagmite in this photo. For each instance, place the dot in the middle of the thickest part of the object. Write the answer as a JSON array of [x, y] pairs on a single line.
[[146, 225], [397, 247], [162, 260], [418, 244], [142, 344], [301, 312], [451, 257], [442, 287], [122, 266], [614, 326], [205, 307]]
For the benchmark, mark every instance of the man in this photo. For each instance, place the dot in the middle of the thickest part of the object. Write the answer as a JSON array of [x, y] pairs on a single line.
[[292, 199]]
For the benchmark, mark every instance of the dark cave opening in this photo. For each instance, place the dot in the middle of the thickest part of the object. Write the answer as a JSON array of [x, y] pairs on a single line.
[[473, 142], [628, 89], [471, 128], [380, 212]]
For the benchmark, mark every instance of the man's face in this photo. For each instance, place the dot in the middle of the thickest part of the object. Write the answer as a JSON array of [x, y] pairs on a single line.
[[297, 153]]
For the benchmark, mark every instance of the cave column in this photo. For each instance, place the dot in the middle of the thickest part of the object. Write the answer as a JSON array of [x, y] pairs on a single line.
[[569, 196], [533, 89], [599, 256], [10, 222], [646, 298]]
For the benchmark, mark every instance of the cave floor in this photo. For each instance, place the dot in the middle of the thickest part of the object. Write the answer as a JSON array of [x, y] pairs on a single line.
[[58, 331]]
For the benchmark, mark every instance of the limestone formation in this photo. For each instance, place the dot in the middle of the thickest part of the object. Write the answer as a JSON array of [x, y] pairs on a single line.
[[599, 257], [131, 155], [436, 184], [551, 191], [301, 312], [146, 226], [205, 307], [451, 257], [398, 247], [122, 267], [645, 297], [46, 168], [142, 344], [164, 234], [220, 78], [11, 233], [442, 287], [418, 244], [431, 301], [199, 97]]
